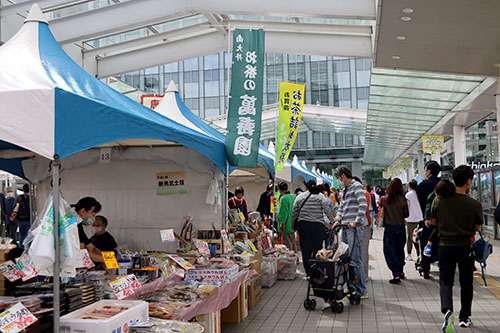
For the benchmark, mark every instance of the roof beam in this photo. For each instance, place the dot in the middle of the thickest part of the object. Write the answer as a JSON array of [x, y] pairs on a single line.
[[26, 5], [216, 23]]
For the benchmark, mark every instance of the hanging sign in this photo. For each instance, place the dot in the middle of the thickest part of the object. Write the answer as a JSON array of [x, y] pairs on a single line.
[[10, 271], [245, 103], [171, 183], [290, 113], [151, 101], [433, 144], [167, 235], [16, 319], [110, 260], [386, 175], [125, 286], [405, 163]]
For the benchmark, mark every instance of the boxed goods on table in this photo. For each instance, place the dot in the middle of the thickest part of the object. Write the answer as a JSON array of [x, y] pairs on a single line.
[[217, 273], [287, 265], [106, 316], [269, 271]]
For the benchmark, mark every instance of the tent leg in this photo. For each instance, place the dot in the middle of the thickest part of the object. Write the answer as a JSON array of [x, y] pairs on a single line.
[[225, 199], [55, 182]]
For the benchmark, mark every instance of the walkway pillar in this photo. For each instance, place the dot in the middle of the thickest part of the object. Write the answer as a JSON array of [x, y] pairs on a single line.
[[459, 146], [420, 166]]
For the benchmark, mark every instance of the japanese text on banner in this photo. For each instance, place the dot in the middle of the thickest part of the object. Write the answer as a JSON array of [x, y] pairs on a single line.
[[433, 144], [290, 114], [245, 104]]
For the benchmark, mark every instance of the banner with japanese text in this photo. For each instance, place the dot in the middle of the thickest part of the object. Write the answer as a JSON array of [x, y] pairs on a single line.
[[405, 163], [433, 144], [245, 98], [290, 113]]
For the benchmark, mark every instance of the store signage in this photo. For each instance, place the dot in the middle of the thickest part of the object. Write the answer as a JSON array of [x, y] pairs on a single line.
[[433, 144], [167, 235], [110, 260], [183, 263], [10, 271], [290, 114], [245, 103], [151, 101], [482, 165], [85, 261], [171, 183], [26, 267], [16, 319], [125, 286]]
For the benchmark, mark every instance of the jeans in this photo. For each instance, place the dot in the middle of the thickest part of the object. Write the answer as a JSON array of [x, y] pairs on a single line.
[[353, 238], [24, 227], [394, 248], [311, 237], [11, 228], [449, 257], [410, 226]]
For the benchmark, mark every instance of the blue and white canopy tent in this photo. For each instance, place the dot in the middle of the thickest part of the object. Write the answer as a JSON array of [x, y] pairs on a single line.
[[300, 174], [52, 109]]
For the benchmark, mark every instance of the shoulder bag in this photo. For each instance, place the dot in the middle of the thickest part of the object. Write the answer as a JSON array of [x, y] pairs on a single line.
[[296, 224]]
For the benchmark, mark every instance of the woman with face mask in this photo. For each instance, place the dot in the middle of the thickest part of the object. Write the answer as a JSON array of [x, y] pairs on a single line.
[[87, 208]]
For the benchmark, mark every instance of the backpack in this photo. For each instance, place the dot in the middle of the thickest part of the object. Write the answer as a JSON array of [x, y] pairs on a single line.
[[482, 249], [23, 213]]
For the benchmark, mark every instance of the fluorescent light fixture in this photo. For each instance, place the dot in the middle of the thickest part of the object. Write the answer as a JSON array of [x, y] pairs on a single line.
[[405, 18], [396, 57], [407, 10], [400, 37]]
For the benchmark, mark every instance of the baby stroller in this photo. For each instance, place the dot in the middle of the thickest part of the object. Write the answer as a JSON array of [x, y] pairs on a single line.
[[328, 279]]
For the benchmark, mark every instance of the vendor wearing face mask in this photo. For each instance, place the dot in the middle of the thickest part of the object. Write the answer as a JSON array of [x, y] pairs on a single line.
[[102, 239], [87, 208]]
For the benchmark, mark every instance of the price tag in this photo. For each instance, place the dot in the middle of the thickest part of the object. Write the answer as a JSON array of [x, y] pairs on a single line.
[[85, 261], [167, 235], [183, 263], [167, 269], [202, 246], [10, 271], [179, 272], [110, 260], [225, 241], [16, 319], [105, 155], [26, 267], [125, 286]]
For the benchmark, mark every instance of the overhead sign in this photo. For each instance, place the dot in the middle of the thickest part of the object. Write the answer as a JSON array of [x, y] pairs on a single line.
[[405, 163], [245, 103], [290, 114], [433, 144]]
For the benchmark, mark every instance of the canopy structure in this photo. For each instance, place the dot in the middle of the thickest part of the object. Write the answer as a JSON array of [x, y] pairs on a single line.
[[70, 110], [299, 170]]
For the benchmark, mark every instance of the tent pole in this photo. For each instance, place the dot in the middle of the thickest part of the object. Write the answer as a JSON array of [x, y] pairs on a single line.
[[55, 182], [225, 198]]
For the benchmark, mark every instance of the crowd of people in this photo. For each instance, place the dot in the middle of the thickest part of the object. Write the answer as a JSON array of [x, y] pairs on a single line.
[[437, 218]]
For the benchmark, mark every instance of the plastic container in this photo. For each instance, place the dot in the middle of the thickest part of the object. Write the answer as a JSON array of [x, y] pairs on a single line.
[[269, 271], [287, 267]]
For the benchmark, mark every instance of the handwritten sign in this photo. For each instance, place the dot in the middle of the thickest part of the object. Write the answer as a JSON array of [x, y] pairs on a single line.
[[125, 286], [183, 263], [85, 261], [10, 271], [110, 260], [25, 265], [202, 246], [16, 319], [167, 235], [167, 269], [179, 272], [225, 241]]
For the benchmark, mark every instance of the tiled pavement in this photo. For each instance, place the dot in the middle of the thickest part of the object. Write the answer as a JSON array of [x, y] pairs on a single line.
[[412, 306]]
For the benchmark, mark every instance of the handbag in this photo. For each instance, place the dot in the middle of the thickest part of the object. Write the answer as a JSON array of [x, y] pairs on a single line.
[[296, 223]]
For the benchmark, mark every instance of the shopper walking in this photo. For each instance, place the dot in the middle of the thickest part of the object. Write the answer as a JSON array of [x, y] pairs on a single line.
[[285, 226], [373, 207], [307, 219], [352, 213], [10, 204], [457, 218], [365, 244], [424, 189], [395, 212], [415, 217]]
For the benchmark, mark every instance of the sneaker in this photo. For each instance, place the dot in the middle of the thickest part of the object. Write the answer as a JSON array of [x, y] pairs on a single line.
[[427, 276], [428, 250], [395, 281], [449, 321], [365, 296], [465, 322]]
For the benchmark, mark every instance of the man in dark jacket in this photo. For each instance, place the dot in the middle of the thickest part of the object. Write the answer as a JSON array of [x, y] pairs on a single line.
[[424, 189], [264, 207]]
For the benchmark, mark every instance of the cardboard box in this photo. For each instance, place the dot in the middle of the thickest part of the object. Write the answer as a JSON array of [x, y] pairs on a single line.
[[254, 288], [258, 256], [237, 311], [210, 322], [255, 264], [224, 275], [138, 311]]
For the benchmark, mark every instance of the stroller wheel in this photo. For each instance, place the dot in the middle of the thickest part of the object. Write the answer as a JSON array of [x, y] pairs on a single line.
[[334, 306], [307, 304], [340, 307], [357, 300], [351, 300], [313, 304]]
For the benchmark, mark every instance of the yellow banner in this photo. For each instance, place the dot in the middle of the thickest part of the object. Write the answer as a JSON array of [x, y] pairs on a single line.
[[386, 175], [290, 112], [405, 163], [433, 144]]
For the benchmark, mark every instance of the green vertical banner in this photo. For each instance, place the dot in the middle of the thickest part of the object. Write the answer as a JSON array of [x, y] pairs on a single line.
[[245, 103], [290, 113]]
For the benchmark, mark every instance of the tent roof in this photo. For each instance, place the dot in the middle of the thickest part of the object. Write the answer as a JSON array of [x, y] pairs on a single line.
[[54, 108]]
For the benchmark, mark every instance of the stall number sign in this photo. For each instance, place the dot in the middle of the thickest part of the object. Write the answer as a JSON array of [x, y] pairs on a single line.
[[85, 262], [16, 319], [26, 267], [10, 271], [167, 235], [110, 260], [171, 183], [105, 155], [125, 286], [183, 263]]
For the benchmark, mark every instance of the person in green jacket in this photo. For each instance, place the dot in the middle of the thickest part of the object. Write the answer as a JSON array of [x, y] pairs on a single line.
[[285, 217]]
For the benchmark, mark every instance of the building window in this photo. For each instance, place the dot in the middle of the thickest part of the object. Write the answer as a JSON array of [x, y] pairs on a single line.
[[191, 64], [211, 61]]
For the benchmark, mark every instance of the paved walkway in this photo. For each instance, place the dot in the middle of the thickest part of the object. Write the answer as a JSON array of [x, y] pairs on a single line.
[[412, 306]]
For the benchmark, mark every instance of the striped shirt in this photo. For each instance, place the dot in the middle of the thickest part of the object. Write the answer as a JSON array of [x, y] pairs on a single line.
[[314, 209], [353, 205]]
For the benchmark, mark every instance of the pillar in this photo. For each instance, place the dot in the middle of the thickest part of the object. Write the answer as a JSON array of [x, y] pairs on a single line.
[[420, 166], [459, 145], [357, 169]]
